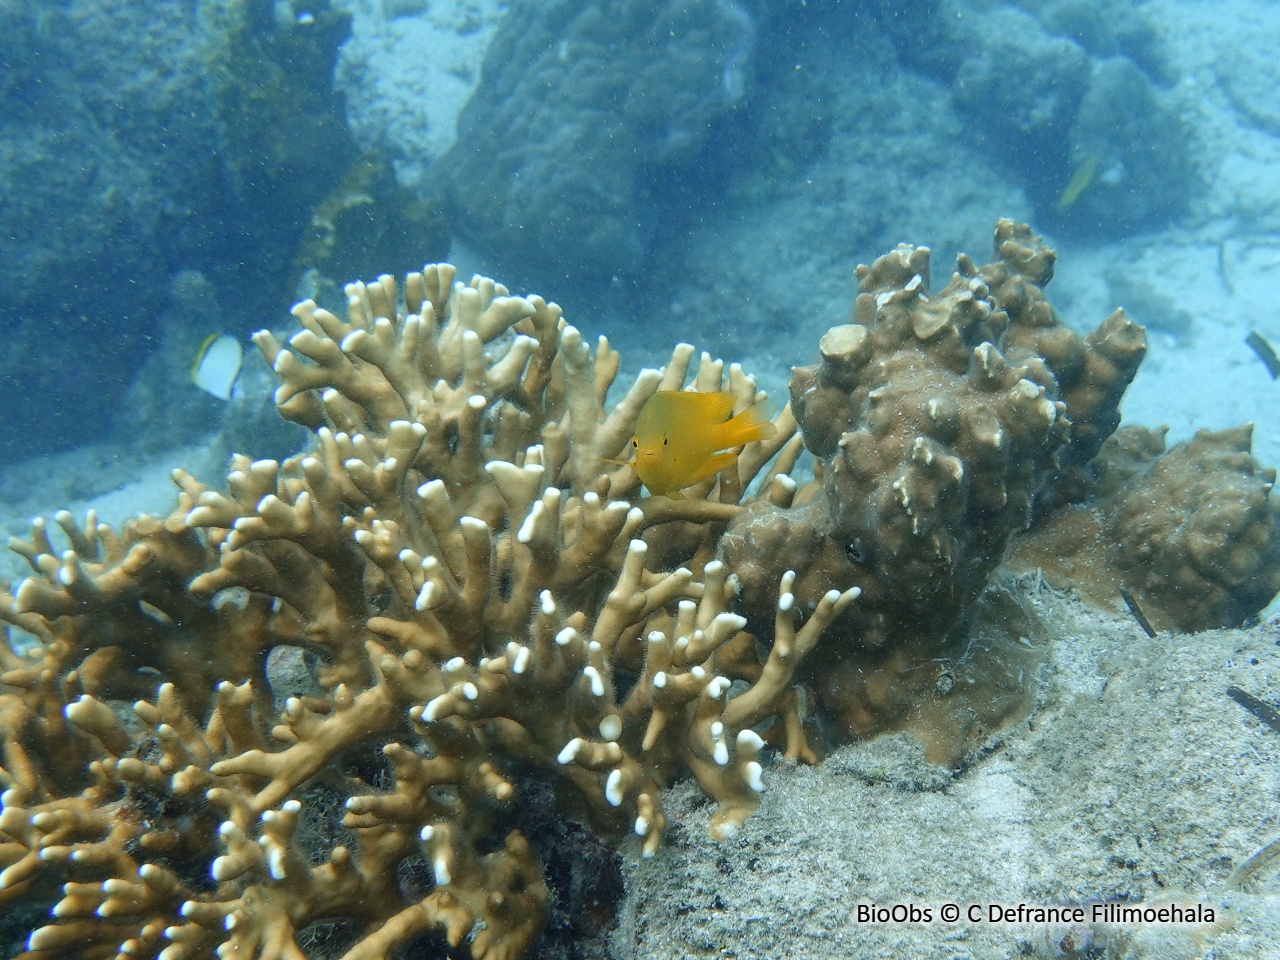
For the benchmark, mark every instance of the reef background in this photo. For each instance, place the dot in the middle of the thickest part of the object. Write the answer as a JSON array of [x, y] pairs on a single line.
[[804, 167], [820, 140]]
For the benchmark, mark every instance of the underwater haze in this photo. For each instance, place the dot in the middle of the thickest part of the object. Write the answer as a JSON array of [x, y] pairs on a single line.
[[1003, 276]]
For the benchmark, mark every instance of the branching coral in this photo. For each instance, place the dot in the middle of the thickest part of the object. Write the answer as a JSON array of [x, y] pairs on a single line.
[[488, 598]]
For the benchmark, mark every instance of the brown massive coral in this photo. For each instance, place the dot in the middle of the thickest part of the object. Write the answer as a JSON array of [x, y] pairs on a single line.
[[946, 424], [942, 421], [488, 599], [1192, 533]]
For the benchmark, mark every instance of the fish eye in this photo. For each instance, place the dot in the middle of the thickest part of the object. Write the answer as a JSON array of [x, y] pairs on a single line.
[[855, 552], [664, 441], [635, 444]]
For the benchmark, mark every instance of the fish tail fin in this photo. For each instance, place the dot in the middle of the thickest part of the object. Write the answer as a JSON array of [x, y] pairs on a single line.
[[751, 424]]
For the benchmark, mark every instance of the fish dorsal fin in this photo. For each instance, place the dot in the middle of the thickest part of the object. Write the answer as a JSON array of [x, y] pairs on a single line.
[[709, 407], [718, 405]]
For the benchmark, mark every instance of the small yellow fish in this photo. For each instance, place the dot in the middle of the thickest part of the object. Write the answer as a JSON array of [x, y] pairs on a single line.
[[684, 436], [1080, 181]]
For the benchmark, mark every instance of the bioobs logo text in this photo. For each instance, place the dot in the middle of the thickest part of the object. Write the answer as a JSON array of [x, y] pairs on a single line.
[[896, 913]]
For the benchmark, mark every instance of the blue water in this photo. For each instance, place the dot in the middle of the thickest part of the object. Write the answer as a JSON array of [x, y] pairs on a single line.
[[694, 174]]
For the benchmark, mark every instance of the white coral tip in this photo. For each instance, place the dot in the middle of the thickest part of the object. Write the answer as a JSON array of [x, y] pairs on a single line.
[[750, 740], [610, 727], [525, 533], [613, 789], [431, 488], [441, 867]]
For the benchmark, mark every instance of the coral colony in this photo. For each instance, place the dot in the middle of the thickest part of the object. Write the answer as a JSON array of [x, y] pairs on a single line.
[[316, 695]]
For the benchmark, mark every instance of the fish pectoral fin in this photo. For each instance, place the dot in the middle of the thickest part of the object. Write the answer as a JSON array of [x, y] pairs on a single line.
[[751, 424], [713, 464], [717, 462]]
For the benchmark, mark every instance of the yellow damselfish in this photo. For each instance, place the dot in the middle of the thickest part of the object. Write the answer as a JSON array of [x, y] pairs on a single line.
[[683, 437]]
